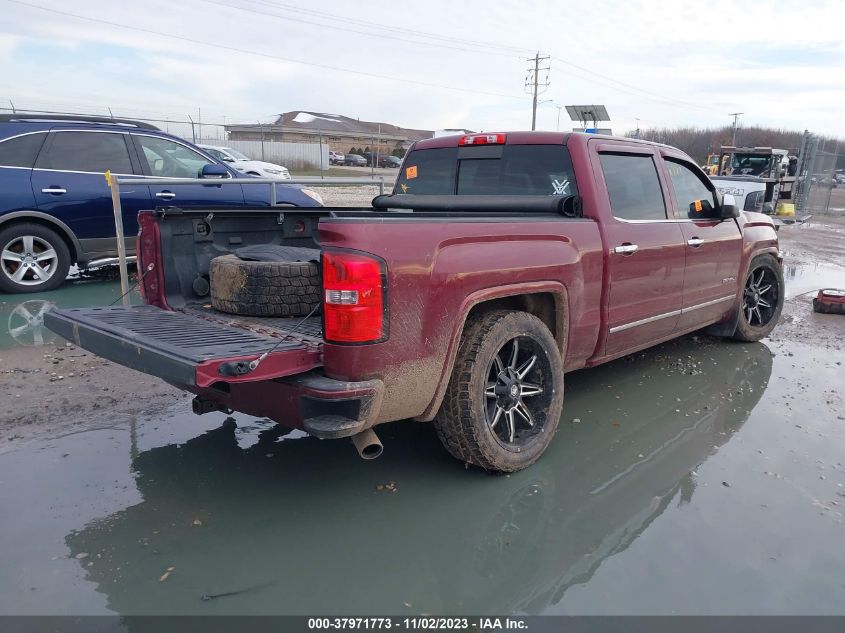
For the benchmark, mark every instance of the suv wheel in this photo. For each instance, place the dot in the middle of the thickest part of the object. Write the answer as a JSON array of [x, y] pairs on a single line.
[[33, 258], [504, 400]]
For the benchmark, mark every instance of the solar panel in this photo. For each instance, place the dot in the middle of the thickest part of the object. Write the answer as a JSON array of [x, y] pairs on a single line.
[[585, 113]]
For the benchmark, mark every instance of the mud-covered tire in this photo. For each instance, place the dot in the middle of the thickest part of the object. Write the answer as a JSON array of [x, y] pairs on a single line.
[[466, 423], [32, 243], [754, 321], [280, 289]]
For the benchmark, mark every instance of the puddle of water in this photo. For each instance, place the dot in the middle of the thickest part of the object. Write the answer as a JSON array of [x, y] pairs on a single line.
[[803, 278], [626, 513], [22, 315]]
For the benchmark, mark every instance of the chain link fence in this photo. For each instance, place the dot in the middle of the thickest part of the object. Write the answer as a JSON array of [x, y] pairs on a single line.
[[294, 156], [821, 177]]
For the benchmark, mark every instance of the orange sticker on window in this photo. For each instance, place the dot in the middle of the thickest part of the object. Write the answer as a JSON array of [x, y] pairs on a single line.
[[411, 172], [697, 204]]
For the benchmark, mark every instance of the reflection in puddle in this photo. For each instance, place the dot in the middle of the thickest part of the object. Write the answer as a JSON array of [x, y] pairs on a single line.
[[805, 278], [26, 323], [303, 525], [22, 316]]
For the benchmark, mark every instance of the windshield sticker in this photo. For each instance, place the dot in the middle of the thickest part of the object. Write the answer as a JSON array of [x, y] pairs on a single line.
[[561, 187], [404, 188], [411, 172]]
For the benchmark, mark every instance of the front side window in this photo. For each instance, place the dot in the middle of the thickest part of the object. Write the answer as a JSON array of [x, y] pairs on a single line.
[[96, 152], [21, 151], [633, 186], [169, 159], [694, 198]]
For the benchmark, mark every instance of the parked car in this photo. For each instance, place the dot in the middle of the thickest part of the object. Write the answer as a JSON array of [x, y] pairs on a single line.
[[56, 206], [389, 160], [514, 259], [246, 165], [355, 160], [336, 158]]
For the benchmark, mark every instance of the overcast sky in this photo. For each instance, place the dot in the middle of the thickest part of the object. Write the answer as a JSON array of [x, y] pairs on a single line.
[[431, 64]]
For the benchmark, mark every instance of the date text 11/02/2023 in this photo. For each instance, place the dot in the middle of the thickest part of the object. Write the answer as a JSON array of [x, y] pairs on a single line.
[[418, 623]]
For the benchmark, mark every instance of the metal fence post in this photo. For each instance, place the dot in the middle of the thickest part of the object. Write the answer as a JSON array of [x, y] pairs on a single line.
[[114, 185]]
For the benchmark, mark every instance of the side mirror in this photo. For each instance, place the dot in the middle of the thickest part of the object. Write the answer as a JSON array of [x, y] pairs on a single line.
[[214, 171], [228, 159], [728, 208]]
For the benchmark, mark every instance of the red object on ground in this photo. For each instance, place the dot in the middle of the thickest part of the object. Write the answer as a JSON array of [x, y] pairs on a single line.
[[830, 301]]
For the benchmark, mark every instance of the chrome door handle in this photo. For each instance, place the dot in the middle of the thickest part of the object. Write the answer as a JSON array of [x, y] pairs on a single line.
[[167, 195], [695, 242], [626, 249], [56, 190]]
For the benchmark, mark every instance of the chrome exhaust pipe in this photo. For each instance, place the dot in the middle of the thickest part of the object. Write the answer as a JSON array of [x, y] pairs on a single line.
[[367, 444]]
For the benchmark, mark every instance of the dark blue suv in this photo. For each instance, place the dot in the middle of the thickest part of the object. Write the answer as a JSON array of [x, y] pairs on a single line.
[[55, 207]]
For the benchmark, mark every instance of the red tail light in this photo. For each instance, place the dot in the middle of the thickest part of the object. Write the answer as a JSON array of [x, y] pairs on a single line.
[[354, 298], [482, 139]]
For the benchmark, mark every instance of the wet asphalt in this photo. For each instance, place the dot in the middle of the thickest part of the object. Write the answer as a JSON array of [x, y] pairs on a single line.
[[698, 477]]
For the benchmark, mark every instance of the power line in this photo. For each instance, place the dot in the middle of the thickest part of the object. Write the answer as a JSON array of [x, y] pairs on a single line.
[[404, 39], [260, 54], [395, 29], [591, 74]]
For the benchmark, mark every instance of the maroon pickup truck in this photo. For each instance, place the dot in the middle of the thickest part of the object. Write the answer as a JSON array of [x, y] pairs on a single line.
[[499, 263]]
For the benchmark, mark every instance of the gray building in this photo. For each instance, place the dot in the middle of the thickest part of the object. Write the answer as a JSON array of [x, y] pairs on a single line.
[[339, 132]]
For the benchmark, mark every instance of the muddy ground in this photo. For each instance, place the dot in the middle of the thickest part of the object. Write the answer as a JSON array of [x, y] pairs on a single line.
[[56, 387]]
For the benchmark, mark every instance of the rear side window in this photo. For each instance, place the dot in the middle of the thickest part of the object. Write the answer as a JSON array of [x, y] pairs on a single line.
[[429, 171], [519, 170], [633, 186], [21, 151], [170, 159], [87, 151]]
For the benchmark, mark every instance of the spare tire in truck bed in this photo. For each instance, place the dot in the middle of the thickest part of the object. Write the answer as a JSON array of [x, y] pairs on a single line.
[[265, 288]]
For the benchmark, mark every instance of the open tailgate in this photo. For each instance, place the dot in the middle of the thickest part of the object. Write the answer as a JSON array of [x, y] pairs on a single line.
[[182, 348]]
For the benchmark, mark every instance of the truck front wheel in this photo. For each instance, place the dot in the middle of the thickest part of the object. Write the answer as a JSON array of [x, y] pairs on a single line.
[[762, 299], [504, 399]]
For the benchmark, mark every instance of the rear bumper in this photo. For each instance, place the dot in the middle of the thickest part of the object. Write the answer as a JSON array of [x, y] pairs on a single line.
[[322, 406], [192, 354]]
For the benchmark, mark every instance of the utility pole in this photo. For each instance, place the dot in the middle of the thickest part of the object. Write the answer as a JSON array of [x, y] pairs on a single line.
[[534, 85], [559, 108], [735, 115]]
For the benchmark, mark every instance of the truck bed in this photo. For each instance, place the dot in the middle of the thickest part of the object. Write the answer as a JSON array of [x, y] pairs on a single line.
[[184, 349]]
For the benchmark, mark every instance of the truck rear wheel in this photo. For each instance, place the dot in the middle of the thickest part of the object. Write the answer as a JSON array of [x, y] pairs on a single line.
[[762, 299], [504, 399]]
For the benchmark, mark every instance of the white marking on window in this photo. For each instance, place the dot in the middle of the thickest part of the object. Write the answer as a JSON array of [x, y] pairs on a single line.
[[561, 186]]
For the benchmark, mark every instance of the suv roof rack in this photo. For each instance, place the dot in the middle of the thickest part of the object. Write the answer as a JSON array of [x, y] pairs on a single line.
[[26, 117]]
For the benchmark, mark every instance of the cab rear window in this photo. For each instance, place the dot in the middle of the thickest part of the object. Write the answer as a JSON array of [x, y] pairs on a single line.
[[530, 170]]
